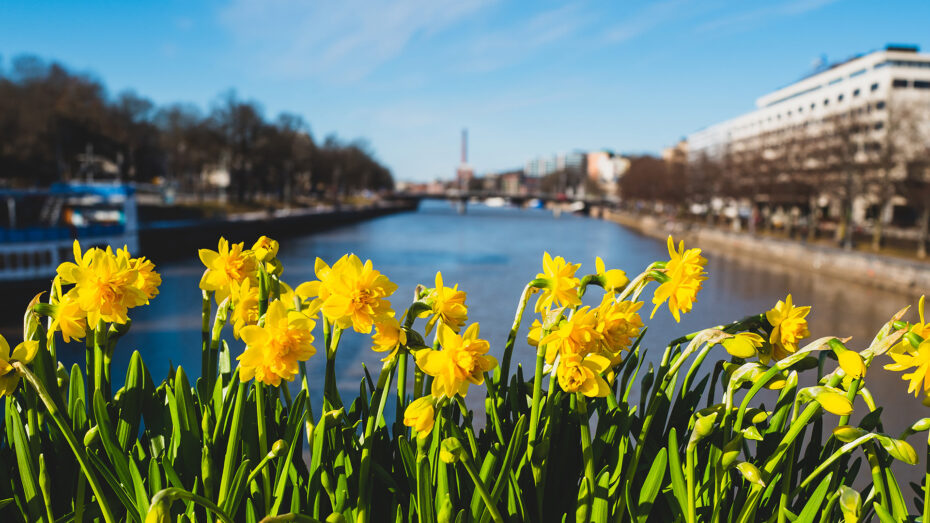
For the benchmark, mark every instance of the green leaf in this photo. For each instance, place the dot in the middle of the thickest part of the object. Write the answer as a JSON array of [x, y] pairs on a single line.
[[676, 473], [812, 508], [24, 462], [651, 486]]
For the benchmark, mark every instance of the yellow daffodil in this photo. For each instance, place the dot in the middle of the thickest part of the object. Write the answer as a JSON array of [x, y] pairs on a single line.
[[743, 344], [921, 328], [614, 279], [919, 358], [65, 271], [350, 293], [618, 325], [685, 272], [389, 337], [420, 415], [462, 361], [582, 374], [535, 334], [69, 318], [227, 267], [448, 306], [561, 284], [106, 288], [23, 352], [245, 307], [272, 351], [266, 252], [148, 280], [788, 327], [576, 335]]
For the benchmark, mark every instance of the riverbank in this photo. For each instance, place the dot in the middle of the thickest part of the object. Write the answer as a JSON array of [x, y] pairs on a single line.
[[171, 239], [884, 272]]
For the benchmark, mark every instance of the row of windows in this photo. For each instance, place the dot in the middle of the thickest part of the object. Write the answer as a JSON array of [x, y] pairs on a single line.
[[895, 63], [901, 83]]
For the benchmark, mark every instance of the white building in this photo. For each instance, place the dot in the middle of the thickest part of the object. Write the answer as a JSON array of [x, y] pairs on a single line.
[[809, 132]]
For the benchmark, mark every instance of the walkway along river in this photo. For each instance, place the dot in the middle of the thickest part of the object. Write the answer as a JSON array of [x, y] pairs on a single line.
[[491, 254]]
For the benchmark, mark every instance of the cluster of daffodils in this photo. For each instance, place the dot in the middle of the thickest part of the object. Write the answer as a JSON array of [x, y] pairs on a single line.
[[912, 354], [102, 286]]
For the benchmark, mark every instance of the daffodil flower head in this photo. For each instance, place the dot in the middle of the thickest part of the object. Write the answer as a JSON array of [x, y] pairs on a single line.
[[743, 344], [462, 361], [685, 272], [69, 318], [576, 335], [148, 280], [789, 325], [919, 359], [106, 288], [389, 337], [244, 307], [577, 373], [226, 269], [536, 330], [353, 294], [561, 284], [613, 280], [314, 293], [420, 415], [273, 350], [24, 352], [266, 253], [618, 324], [448, 306], [921, 328]]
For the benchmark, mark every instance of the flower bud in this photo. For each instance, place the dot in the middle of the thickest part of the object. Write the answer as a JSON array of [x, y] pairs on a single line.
[[159, 512], [847, 433], [451, 450], [335, 517], [731, 451], [750, 473], [278, 448], [850, 503], [703, 427], [92, 437]]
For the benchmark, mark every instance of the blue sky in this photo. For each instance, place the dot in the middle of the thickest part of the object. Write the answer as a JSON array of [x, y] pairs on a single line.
[[525, 78]]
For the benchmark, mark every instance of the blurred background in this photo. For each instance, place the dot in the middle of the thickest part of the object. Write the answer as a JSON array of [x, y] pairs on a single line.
[[790, 139]]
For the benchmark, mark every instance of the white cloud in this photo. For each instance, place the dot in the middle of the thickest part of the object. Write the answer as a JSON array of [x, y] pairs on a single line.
[[748, 19], [644, 20], [341, 40]]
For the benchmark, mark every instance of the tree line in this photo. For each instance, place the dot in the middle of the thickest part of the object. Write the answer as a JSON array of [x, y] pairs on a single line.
[[858, 170], [56, 124]]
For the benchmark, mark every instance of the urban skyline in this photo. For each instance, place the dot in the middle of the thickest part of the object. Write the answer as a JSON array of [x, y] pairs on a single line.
[[524, 78]]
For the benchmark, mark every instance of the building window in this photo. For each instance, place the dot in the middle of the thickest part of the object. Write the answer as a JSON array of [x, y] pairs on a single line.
[[800, 109], [856, 92], [899, 83], [839, 98], [879, 126], [880, 105], [921, 84], [826, 101], [875, 87], [813, 106]]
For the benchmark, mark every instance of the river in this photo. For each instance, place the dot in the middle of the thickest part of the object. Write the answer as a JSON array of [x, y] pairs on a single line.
[[491, 253]]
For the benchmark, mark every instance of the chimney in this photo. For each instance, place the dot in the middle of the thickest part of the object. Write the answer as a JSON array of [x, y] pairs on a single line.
[[464, 146]]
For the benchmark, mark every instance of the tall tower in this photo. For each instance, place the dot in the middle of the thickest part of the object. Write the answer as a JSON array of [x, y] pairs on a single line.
[[464, 173]]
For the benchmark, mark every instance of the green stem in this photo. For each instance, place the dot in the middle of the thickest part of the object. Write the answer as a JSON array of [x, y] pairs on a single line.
[[503, 371], [100, 374], [205, 308], [364, 493], [689, 477], [534, 411], [232, 444], [168, 495], [586, 451], [927, 483], [401, 388], [263, 442], [482, 490], [76, 447]]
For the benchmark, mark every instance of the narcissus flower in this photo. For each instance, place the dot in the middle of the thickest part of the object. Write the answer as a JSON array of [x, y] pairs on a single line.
[[389, 337], [532, 338], [148, 280], [618, 325], [788, 327], [921, 328], [245, 307], [106, 288], [576, 335], [561, 284], [448, 306], [69, 318], [227, 268], [685, 272], [919, 359], [350, 293], [582, 374], [614, 279], [272, 351], [23, 352], [420, 416], [462, 361], [266, 252]]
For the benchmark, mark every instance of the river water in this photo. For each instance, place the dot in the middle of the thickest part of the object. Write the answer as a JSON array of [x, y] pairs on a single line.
[[492, 253]]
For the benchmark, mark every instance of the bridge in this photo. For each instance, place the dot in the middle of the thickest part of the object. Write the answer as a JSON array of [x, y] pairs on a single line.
[[518, 200]]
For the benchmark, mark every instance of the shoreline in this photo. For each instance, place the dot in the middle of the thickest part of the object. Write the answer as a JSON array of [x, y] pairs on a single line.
[[875, 270]]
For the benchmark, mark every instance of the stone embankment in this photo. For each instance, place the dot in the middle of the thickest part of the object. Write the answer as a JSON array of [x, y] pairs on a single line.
[[885, 272]]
